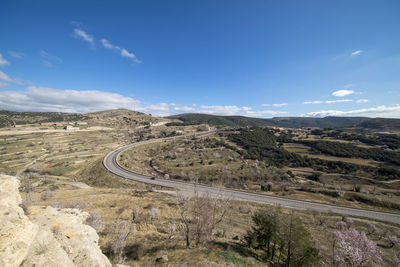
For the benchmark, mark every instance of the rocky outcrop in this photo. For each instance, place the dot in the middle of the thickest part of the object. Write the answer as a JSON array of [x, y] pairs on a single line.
[[17, 232], [49, 237]]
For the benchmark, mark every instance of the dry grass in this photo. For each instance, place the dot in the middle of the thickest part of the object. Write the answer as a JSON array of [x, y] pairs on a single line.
[[305, 151], [203, 159], [153, 239], [219, 166], [77, 156]]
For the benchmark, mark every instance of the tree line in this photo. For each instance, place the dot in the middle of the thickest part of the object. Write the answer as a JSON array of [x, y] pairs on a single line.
[[262, 144]]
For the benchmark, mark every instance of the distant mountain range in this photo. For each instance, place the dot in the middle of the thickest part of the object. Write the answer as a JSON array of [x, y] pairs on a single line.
[[8, 118], [375, 124]]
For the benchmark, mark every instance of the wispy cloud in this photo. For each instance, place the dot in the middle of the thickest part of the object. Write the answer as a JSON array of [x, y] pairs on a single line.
[[14, 54], [4, 77], [5, 80], [122, 51], [46, 55], [263, 113], [338, 101], [158, 109], [313, 102], [223, 110], [335, 101], [236, 110], [81, 34], [3, 61], [3, 84], [343, 92], [77, 24], [279, 105], [48, 59], [275, 105], [357, 52], [380, 111], [183, 108], [47, 64]]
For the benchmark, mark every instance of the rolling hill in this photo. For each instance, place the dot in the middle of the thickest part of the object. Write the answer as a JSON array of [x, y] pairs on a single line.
[[127, 117], [357, 123]]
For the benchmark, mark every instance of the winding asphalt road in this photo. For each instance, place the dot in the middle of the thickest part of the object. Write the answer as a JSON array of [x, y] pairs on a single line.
[[111, 164]]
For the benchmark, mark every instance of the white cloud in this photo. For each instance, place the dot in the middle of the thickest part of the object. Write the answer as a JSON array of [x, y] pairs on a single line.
[[222, 110], [263, 113], [159, 109], [341, 93], [357, 52], [84, 36], [47, 99], [235, 110], [183, 108], [122, 51], [4, 77], [338, 101], [313, 102], [380, 111], [36, 98], [127, 54], [15, 54], [275, 105], [107, 44], [335, 101], [3, 61], [280, 105]]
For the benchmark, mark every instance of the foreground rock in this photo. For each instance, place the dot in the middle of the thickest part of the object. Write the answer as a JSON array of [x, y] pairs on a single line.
[[49, 237]]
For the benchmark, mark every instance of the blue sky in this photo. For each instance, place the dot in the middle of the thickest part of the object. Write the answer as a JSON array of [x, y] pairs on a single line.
[[253, 58]]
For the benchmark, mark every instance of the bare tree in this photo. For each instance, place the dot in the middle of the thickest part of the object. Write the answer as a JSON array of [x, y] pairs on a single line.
[[95, 221], [121, 232], [200, 216], [183, 205]]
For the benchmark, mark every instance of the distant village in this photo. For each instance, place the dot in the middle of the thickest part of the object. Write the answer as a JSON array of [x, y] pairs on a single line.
[[65, 125]]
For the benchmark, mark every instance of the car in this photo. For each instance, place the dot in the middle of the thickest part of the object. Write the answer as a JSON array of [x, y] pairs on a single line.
[[153, 178]]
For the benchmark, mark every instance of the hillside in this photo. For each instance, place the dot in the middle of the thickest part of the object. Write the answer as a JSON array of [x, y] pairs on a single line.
[[378, 124], [9, 118], [114, 118], [195, 118], [124, 117]]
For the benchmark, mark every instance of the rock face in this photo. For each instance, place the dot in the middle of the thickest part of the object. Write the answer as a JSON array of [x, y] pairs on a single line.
[[17, 232], [49, 237]]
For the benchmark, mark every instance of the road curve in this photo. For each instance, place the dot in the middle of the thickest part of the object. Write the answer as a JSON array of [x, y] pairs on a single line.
[[111, 164]]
